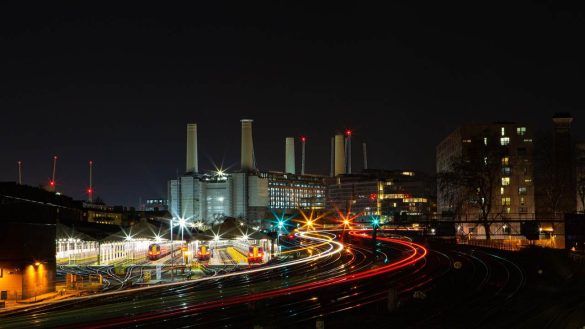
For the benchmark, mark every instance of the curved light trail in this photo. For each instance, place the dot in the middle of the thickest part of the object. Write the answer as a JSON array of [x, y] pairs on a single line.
[[417, 253]]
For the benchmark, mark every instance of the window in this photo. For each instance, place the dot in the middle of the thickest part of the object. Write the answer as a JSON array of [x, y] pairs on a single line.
[[505, 181], [527, 140], [522, 201], [505, 161], [502, 190], [505, 141], [521, 131], [523, 210], [485, 140], [467, 141], [522, 190], [506, 170], [506, 201], [503, 131]]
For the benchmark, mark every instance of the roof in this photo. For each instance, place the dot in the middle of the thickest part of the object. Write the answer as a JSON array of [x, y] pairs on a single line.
[[140, 230], [232, 229], [65, 233]]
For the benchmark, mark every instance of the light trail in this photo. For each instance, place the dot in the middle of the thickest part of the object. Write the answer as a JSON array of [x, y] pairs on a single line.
[[417, 253], [334, 247]]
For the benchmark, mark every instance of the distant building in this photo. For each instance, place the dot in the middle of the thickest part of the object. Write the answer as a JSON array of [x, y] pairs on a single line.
[[156, 205], [102, 214], [514, 195], [397, 196], [249, 193], [290, 192], [557, 169], [28, 218]]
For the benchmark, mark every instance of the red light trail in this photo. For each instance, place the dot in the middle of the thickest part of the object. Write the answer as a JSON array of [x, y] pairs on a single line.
[[417, 253]]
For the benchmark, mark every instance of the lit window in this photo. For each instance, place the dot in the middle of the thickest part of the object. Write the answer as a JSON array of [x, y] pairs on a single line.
[[502, 190], [485, 140], [506, 201], [522, 201], [522, 190], [503, 131], [521, 131], [505, 181], [467, 141], [504, 141], [505, 161]]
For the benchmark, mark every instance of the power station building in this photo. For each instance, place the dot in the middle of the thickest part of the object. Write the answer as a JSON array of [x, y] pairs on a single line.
[[249, 194]]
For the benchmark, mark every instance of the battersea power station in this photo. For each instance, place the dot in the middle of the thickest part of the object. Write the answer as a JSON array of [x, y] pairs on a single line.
[[247, 193]]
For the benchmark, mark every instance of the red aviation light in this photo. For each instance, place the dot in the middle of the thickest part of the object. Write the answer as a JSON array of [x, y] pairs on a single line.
[[348, 132], [303, 139]]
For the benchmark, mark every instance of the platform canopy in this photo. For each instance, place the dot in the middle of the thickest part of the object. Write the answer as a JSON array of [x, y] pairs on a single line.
[[68, 233], [142, 230], [232, 229]]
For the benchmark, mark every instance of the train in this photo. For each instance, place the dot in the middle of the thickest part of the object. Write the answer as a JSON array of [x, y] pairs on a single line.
[[255, 254], [203, 253], [157, 251]]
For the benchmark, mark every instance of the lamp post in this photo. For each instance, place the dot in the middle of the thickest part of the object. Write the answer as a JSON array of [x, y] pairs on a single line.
[[172, 251], [375, 224]]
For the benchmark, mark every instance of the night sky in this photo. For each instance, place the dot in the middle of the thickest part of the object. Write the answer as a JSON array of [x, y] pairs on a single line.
[[118, 85]]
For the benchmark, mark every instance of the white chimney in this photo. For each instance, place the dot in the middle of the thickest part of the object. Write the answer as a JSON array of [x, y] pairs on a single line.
[[192, 161], [247, 152], [365, 155], [339, 155], [289, 161]]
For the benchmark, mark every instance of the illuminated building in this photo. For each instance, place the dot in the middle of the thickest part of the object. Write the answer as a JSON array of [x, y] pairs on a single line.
[[156, 205], [396, 196], [513, 197], [248, 193], [28, 219], [288, 191], [102, 214]]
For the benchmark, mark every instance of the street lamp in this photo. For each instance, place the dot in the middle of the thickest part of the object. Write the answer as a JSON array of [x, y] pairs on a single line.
[[375, 224], [172, 252], [182, 224]]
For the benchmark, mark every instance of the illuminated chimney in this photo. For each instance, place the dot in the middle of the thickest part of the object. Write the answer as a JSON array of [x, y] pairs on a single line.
[[339, 155], [192, 161], [247, 155], [290, 156], [332, 171]]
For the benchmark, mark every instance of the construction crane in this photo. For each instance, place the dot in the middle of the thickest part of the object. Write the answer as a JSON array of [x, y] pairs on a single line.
[[348, 151], [303, 144], [90, 188], [52, 183]]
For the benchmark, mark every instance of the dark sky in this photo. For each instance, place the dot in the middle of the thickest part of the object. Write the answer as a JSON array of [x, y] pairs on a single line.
[[118, 85]]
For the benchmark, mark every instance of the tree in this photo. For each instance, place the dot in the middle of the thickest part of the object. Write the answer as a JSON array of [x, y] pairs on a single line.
[[472, 184]]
